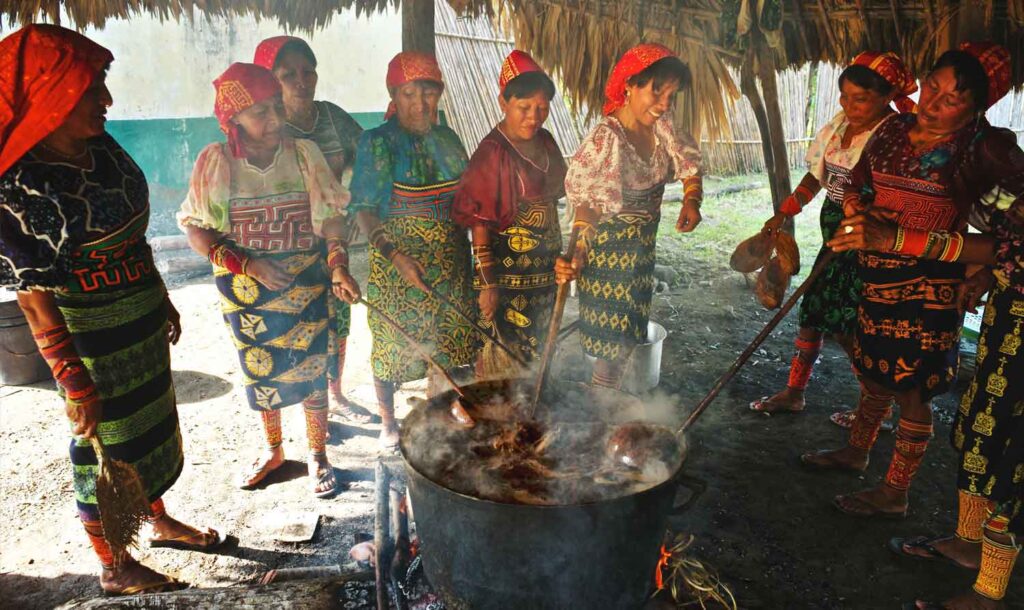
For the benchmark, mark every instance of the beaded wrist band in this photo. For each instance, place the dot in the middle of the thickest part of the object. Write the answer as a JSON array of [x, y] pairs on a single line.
[[693, 190], [56, 347], [484, 256], [225, 253], [953, 247], [912, 242], [380, 241], [337, 253]]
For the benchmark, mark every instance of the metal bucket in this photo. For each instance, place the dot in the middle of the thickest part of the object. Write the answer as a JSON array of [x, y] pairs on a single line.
[[20, 360], [644, 372]]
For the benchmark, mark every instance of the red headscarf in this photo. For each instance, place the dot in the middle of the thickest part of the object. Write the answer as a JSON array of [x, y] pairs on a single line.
[[268, 50], [515, 64], [409, 66], [633, 62], [890, 67], [996, 62], [44, 70], [241, 86]]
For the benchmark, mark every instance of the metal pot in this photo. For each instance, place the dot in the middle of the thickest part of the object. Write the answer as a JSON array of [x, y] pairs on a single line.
[[481, 554], [20, 360], [643, 373]]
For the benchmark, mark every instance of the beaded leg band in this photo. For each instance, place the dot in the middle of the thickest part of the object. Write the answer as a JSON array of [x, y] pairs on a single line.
[[997, 562], [871, 410], [973, 512], [803, 362], [94, 530], [272, 427], [315, 408], [911, 442]]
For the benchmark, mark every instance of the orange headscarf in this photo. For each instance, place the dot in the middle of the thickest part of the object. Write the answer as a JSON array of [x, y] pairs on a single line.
[[44, 70], [241, 86], [409, 66], [633, 62], [995, 60], [891, 68]]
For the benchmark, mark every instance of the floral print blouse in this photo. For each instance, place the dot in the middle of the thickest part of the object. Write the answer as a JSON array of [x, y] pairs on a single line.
[[606, 163]]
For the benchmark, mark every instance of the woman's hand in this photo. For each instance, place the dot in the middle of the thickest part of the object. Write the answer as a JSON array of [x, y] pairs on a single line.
[[774, 224], [972, 289], [410, 269], [84, 416], [872, 230], [568, 270], [488, 300], [689, 216], [173, 323], [344, 286], [268, 272]]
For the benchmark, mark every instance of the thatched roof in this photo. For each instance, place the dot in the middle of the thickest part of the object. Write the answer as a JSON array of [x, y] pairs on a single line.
[[582, 39]]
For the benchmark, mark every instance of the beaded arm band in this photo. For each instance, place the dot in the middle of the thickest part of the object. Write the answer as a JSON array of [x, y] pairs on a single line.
[[69, 372], [485, 266], [337, 253], [794, 203], [935, 245], [380, 241], [225, 253]]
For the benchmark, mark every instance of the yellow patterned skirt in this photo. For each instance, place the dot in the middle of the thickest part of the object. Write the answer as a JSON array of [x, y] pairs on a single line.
[[281, 335], [443, 250], [617, 284]]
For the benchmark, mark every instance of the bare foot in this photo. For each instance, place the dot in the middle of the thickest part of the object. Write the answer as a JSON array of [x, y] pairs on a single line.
[[847, 458], [967, 601], [963, 553], [131, 578], [788, 400], [271, 460], [880, 501], [321, 471]]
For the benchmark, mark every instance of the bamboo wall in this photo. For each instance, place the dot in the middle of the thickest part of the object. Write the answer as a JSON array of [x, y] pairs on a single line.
[[471, 50]]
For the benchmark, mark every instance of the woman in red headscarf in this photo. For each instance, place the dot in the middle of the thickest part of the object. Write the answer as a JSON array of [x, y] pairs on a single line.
[[615, 185], [508, 197], [989, 425], [829, 307], [336, 133], [404, 182], [264, 207], [926, 172], [74, 208]]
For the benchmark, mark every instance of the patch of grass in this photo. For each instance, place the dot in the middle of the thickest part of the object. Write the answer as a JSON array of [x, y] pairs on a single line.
[[727, 220]]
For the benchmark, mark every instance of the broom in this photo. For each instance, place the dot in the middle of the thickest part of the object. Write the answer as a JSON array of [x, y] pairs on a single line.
[[495, 362], [122, 501]]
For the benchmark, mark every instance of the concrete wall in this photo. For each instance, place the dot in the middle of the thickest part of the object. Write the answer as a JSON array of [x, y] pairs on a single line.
[[165, 70]]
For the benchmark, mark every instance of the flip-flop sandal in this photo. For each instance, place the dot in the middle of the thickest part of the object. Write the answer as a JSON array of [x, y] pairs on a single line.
[[256, 474], [872, 510], [326, 476], [923, 543], [830, 466], [761, 406], [210, 539], [157, 586]]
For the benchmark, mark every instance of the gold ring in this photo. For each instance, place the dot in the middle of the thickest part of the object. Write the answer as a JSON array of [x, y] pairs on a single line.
[[849, 230]]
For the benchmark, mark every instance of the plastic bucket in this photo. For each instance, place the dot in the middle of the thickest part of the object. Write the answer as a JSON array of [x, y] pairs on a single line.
[[20, 361]]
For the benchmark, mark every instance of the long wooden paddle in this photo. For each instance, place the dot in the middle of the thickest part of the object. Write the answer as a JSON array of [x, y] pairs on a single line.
[[553, 328], [758, 340]]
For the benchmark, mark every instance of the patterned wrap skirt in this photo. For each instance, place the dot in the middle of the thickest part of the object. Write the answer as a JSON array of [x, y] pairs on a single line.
[[830, 304], [281, 335], [617, 284], [121, 337], [989, 427], [908, 326], [443, 250], [525, 256]]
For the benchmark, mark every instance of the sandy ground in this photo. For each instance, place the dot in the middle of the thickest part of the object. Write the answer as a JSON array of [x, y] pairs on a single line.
[[767, 526]]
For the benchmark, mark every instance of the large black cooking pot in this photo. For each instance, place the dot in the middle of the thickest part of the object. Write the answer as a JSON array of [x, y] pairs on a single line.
[[481, 554]]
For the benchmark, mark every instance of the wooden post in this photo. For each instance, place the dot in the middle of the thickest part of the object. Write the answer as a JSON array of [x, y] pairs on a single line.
[[748, 85], [418, 26]]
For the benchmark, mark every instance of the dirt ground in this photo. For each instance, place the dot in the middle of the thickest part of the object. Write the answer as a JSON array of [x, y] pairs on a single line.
[[766, 525]]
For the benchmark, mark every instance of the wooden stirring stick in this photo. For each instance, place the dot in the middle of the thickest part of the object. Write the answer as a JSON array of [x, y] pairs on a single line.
[[553, 327], [476, 326]]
